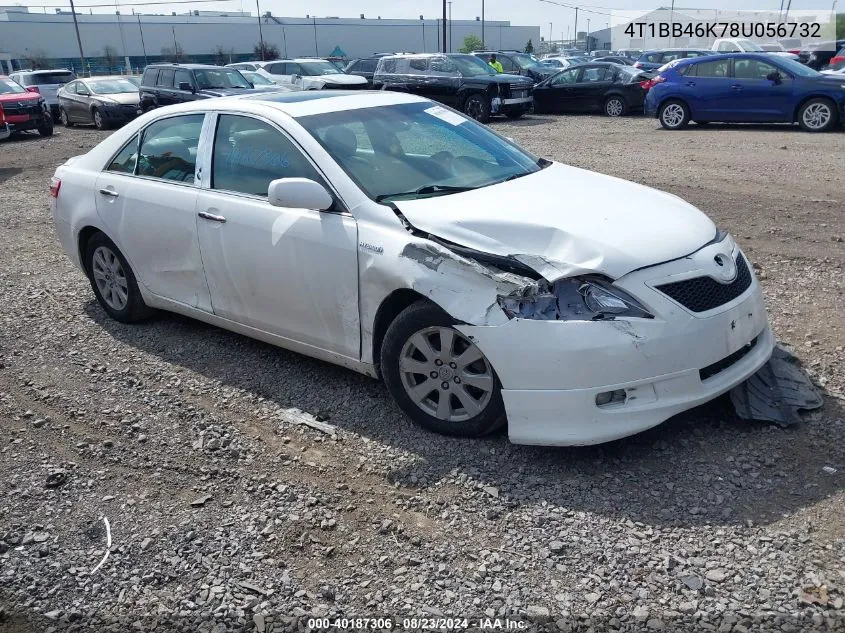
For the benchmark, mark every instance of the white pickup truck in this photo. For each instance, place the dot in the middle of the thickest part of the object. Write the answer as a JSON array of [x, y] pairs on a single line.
[[738, 45]]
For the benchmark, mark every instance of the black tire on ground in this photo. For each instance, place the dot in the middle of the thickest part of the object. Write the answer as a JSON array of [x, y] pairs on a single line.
[[135, 309], [477, 106], [615, 106], [515, 114], [415, 319], [674, 114], [99, 120], [45, 128], [818, 115], [65, 118]]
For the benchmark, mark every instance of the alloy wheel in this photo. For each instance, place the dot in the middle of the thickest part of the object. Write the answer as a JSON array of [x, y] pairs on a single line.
[[110, 278], [817, 115], [474, 108], [673, 115], [614, 107], [98, 120], [445, 374]]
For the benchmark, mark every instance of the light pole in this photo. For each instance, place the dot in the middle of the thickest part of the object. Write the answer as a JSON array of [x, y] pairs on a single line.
[[444, 26], [482, 23], [550, 37], [78, 39], [450, 26], [575, 30], [143, 46], [260, 31], [588, 35]]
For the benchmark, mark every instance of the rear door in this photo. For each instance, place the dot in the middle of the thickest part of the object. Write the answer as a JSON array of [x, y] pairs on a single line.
[[593, 82], [762, 91], [707, 87], [164, 87], [183, 79]]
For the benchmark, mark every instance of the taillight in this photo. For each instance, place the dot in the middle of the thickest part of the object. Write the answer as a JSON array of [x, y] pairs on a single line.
[[794, 51], [837, 60], [648, 84], [33, 89], [55, 186], [2, 116], [638, 64]]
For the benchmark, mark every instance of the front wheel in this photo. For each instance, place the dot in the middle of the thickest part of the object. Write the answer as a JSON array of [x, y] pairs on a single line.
[[45, 128], [99, 120], [438, 377], [817, 115], [674, 115], [615, 106], [113, 281], [477, 107]]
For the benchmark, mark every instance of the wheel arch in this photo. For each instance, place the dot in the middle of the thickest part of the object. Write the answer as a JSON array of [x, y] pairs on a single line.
[[828, 98], [390, 307], [84, 237]]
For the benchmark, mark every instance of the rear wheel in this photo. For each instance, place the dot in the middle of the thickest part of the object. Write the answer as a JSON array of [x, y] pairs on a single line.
[[615, 106], [674, 115], [65, 118], [817, 115], [113, 281], [438, 377], [477, 107]]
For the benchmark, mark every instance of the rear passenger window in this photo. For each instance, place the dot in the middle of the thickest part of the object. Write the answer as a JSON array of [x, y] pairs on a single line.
[[593, 75], [717, 68], [124, 162], [249, 154], [165, 78], [419, 65], [169, 148]]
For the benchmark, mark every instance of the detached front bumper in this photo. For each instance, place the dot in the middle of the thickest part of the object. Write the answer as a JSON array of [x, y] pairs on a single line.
[[5, 132], [552, 371]]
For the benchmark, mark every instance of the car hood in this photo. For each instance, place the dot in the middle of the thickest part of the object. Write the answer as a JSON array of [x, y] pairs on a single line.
[[564, 221], [226, 92], [124, 98], [19, 96], [341, 79]]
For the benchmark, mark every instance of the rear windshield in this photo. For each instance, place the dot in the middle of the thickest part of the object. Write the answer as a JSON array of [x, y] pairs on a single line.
[[44, 79]]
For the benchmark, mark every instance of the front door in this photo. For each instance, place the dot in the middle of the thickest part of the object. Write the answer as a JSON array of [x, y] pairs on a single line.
[[290, 272], [147, 200], [558, 94], [762, 89]]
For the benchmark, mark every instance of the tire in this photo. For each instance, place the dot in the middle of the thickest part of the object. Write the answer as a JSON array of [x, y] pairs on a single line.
[[99, 121], [615, 106], [470, 410], [674, 115], [477, 106], [45, 128], [513, 116], [102, 256], [65, 118], [817, 115]]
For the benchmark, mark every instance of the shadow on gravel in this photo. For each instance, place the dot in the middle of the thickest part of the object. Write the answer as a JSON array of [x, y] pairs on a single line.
[[705, 466], [9, 172]]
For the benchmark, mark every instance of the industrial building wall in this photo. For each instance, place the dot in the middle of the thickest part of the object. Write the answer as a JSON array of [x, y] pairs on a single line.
[[52, 36]]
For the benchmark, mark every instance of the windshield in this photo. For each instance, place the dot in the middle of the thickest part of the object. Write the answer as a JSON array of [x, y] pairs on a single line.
[[9, 87], [417, 150], [525, 61], [472, 66], [313, 69], [111, 86], [750, 47], [256, 79], [209, 79], [797, 67]]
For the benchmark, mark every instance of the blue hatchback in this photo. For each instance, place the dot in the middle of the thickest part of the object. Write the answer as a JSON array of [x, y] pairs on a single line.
[[745, 88]]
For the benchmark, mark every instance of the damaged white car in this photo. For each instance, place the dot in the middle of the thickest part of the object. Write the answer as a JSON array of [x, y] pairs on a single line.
[[391, 235]]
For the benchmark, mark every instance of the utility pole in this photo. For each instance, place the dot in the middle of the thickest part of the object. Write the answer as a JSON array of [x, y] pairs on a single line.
[[316, 51], [482, 23], [444, 25], [143, 46], [175, 45], [575, 32], [671, 16], [450, 26], [588, 35], [260, 31], [550, 37], [78, 39]]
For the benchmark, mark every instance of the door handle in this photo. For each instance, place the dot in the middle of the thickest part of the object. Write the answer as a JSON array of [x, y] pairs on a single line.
[[690, 84], [109, 192], [736, 87], [210, 216]]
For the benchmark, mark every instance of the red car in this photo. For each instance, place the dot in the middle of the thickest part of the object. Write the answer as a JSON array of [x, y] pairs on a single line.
[[22, 110]]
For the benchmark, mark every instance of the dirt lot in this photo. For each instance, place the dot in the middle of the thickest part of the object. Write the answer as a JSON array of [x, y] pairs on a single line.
[[226, 515]]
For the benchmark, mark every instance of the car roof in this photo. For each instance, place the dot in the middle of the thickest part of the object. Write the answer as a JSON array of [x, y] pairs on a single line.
[[676, 50], [98, 77], [766, 57], [185, 66], [43, 71]]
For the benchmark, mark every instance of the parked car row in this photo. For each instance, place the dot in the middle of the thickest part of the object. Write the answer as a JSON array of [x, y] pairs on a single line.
[[22, 109]]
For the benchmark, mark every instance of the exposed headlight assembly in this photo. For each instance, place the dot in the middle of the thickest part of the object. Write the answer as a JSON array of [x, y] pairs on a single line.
[[589, 298]]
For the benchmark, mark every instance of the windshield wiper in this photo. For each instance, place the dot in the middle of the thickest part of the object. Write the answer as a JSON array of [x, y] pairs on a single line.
[[424, 190]]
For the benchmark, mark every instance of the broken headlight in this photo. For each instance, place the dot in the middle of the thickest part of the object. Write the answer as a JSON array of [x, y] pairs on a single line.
[[573, 299]]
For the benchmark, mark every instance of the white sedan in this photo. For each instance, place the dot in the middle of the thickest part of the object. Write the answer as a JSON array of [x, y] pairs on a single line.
[[394, 236]]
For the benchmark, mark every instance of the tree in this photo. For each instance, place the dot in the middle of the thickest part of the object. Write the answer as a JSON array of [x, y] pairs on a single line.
[[176, 54], [266, 51], [472, 43], [37, 59], [529, 47], [221, 55], [110, 56], [840, 25]]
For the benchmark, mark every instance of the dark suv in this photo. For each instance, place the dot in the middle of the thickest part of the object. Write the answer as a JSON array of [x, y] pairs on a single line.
[[463, 82], [166, 84], [516, 63], [365, 68]]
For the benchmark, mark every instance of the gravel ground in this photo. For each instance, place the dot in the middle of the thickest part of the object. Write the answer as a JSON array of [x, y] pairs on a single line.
[[226, 514]]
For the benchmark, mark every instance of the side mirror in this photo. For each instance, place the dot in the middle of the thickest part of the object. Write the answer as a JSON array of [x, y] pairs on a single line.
[[774, 77], [299, 193], [184, 85]]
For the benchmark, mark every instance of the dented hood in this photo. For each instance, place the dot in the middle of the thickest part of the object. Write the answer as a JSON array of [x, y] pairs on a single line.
[[563, 221]]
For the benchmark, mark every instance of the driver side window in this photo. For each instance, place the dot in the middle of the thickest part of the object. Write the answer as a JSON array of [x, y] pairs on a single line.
[[169, 148], [566, 77]]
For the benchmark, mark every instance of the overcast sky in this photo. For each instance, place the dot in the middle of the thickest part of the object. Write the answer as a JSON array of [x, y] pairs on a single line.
[[519, 12]]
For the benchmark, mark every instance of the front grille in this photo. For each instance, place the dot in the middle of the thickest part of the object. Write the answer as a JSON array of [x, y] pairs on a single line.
[[16, 109], [520, 87], [721, 365], [705, 293]]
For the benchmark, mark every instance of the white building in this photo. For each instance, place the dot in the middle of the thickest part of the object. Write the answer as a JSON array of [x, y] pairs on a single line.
[[50, 38]]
